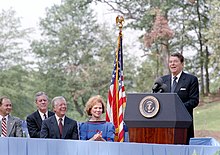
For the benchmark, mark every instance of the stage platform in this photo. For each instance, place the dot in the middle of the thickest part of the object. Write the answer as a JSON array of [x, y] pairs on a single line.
[[31, 146]]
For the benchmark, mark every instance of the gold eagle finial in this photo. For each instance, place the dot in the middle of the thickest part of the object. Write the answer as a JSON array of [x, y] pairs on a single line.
[[119, 21]]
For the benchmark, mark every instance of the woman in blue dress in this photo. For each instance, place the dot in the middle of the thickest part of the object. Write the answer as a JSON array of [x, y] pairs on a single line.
[[96, 129]]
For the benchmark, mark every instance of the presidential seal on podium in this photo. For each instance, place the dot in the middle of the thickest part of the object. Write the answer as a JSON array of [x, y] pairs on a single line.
[[149, 106]]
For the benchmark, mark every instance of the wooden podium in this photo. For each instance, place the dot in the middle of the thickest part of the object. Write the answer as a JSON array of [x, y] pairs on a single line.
[[168, 126]]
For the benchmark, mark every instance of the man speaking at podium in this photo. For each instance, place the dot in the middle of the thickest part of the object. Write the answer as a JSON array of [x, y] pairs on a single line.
[[185, 85]]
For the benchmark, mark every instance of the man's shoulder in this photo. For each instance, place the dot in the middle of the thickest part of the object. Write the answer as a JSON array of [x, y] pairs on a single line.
[[50, 113], [166, 77], [51, 118], [189, 76], [14, 118], [70, 119], [32, 114]]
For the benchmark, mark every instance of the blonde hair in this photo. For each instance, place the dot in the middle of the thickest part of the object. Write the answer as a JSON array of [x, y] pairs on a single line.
[[92, 101]]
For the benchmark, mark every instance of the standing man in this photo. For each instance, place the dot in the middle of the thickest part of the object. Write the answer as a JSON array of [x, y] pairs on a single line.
[[35, 119], [185, 85], [59, 126], [10, 126]]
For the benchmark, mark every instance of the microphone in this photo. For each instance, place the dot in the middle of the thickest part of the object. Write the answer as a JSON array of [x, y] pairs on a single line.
[[158, 82], [163, 88]]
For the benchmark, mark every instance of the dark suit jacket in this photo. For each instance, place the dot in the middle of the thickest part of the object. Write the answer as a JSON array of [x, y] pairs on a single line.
[[34, 122], [13, 127], [50, 129], [188, 90]]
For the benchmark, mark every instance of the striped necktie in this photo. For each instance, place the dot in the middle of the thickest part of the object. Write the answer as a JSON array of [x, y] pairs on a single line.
[[4, 127]]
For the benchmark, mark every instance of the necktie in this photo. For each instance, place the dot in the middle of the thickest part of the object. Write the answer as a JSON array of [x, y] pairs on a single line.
[[45, 116], [4, 127], [174, 84], [60, 127]]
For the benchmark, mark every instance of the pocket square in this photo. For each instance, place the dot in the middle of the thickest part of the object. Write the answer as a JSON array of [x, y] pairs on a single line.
[[182, 88]]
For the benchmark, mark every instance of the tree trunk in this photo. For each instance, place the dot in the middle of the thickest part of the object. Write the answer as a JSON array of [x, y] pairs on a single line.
[[206, 71], [165, 56], [200, 50]]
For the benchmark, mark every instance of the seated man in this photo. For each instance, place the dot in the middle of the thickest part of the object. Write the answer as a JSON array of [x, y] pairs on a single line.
[[10, 126], [34, 120], [59, 126]]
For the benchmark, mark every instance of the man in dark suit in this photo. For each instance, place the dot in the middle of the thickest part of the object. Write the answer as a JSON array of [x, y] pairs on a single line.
[[59, 126], [35, 119], [10, 125], [185, 85]]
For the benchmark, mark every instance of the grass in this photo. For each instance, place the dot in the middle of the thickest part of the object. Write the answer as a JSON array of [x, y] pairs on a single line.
[[207, 117]]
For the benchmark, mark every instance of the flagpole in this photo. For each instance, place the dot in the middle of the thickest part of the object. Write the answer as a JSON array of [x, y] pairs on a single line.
[[116, 93], [119, 23]]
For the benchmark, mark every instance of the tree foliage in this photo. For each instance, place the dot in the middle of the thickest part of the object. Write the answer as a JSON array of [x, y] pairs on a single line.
[[212, 36], [188, 19], [75, 57], [13, 75], [11, 36]]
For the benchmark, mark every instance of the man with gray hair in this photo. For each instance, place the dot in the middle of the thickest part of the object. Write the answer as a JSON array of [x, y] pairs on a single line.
[[35, 119], [59, 126]]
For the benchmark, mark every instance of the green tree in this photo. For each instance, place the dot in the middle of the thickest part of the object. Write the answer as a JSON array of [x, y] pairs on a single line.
[[212, 37], [75, 56], [16, 85], [187, 19], [12, 37], [14, 76]]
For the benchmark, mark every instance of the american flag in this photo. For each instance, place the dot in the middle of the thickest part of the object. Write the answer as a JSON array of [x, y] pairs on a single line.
[[116, 95]]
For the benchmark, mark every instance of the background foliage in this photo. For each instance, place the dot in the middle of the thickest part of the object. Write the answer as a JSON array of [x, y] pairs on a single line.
[[74, 56]]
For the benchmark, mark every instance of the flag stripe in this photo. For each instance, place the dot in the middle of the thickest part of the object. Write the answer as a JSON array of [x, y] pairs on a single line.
[[116, 95]]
